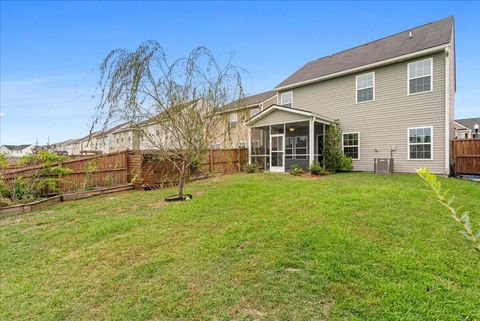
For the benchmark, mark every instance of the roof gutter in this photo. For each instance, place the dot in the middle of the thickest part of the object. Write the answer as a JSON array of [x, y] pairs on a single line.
[[364, 67]]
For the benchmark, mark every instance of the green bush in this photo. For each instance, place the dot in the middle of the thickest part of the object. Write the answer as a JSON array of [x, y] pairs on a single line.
[[23, 191], [316, 169], [333, 151], [296, 170], [5, 201], [345, 165], [251, 168]]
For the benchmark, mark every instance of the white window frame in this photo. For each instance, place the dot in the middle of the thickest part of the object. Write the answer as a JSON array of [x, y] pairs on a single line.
[[295, 155], [233, 119], [357, 89], [358, 146], [431, 143], [281, 98], [431, 77]]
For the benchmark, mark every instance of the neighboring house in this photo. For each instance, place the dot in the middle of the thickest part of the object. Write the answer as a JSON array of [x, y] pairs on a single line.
[[63, 146], [124, 137], [75, 146], [17, 150], [393, 96], [101, 141], [236, 117], [465, 128]]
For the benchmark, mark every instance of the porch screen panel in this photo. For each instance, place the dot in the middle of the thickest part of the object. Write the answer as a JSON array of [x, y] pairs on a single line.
[[260, 146]]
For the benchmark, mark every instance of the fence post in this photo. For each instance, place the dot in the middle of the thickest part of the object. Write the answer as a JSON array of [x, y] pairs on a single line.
[[210, 167], [126, 166]]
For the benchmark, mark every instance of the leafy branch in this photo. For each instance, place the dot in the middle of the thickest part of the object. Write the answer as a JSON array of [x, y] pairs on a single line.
[[462, 219]]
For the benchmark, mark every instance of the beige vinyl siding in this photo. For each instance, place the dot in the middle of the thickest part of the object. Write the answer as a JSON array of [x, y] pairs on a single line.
[[451, 92], [383, 122], [279, 117], [240, 133], [269, 102]]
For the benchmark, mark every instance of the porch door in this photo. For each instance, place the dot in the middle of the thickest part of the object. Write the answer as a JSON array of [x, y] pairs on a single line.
[[277, 151]]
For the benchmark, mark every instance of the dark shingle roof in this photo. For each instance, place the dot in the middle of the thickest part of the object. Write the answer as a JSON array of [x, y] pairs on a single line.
[[468, 122], [251, 100], [423, 37], [17, 147]]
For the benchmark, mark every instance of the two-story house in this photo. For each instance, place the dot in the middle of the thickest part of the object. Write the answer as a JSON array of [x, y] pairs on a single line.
[[393, 97], [17, 150], [237, 113], [467, 128]]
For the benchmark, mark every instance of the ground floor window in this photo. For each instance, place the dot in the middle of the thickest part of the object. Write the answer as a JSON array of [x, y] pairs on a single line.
[[301, 151], [289, 147], [351, 145], [420, 143]]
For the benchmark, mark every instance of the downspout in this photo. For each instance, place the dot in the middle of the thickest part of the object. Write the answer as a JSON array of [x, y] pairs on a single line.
[[249, 144], [311, 143], [447, 112]]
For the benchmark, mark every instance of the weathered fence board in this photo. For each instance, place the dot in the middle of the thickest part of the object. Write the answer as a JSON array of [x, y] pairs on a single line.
[[126, 166], [466, 156]]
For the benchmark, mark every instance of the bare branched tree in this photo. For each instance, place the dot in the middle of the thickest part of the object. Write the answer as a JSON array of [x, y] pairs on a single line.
[[174, 107]]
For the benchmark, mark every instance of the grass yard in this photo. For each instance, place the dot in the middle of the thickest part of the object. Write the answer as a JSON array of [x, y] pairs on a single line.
[[247, 247]]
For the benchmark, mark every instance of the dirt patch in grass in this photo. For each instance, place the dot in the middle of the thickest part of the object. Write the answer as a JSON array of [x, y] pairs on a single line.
[[245, 308], [157, 204], [327, 305]]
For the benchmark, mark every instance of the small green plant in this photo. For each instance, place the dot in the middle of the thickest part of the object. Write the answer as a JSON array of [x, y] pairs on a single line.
[[109, 180], [194, 165], [345, 164], [117, 164], [296, 170], [90, 168], [3, 160], [316, 169], [135, 179], [251, 168], [462, 219]]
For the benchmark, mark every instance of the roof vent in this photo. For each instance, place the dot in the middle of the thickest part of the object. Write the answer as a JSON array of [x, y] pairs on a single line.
[[410, 35]]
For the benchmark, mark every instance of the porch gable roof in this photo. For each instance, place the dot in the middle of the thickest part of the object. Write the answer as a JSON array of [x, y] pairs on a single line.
[[294, 112]]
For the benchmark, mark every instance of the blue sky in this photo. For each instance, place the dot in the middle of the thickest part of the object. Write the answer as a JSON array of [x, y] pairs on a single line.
[[50, 51]]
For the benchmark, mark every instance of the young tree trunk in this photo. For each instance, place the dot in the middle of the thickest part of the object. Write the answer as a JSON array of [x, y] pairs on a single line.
[[181, 179]]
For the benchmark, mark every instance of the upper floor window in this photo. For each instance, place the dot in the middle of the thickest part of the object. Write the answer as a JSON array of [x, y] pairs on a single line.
[[254, 112], [233, 119], [286, 99], [365, 87], [420, 143], [351, 145], [420, 76]]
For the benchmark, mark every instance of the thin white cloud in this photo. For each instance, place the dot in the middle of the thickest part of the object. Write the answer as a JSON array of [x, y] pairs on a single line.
[[2, 114]]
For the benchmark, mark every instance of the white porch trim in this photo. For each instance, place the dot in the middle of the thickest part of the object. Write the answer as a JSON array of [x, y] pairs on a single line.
[[307, 114]]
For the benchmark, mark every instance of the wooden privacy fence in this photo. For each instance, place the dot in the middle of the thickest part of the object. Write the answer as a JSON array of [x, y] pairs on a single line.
[[466, 156], [139, 167]]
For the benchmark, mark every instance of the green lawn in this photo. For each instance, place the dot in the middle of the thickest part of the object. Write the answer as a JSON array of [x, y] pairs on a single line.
[[247, 247]]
